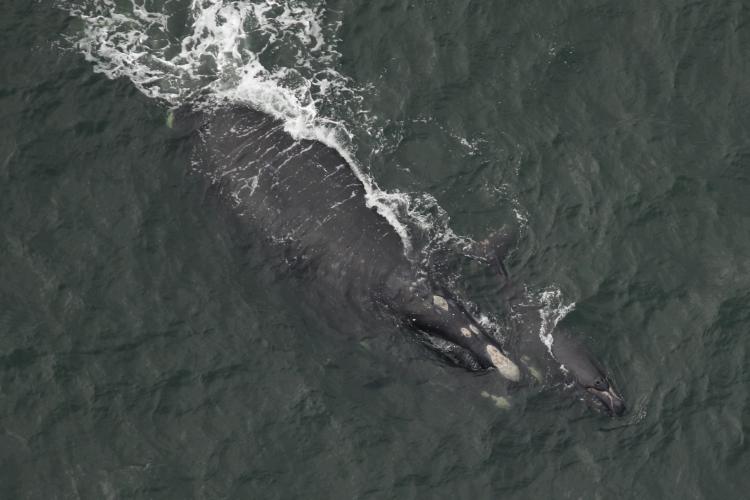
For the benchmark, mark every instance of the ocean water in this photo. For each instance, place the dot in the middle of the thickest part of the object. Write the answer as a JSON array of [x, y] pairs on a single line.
[[148, 351]]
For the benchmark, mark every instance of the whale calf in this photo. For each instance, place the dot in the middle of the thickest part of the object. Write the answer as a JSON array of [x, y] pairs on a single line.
[[306, 202]]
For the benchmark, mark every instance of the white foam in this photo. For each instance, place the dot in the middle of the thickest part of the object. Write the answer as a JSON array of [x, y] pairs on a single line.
[[552, 311]]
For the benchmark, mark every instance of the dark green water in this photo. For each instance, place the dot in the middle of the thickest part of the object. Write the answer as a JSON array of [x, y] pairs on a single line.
[[146, 352]]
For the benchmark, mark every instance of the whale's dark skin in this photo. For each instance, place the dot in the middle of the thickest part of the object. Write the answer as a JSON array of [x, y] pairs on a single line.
[[568, 363], [586, 372], [305, 200]]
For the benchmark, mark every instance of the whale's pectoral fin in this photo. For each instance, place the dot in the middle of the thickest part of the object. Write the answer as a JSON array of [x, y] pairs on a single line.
[[494, 249]]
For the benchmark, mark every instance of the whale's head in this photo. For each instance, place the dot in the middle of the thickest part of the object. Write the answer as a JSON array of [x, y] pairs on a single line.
[[586, 373]]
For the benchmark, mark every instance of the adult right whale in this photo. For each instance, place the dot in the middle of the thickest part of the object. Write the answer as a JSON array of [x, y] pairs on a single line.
[[305, 201]]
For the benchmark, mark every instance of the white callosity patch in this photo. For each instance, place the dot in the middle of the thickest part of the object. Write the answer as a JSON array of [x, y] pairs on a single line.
[[504, 365], [465, 332], [532, 369], [535, 373], [440, 302], [500, 401]]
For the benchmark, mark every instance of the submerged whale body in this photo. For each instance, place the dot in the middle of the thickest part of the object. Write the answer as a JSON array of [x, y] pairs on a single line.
[[306, 201]]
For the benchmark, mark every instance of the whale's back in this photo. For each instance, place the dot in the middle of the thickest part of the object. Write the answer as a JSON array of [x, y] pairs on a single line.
[[301, 195]]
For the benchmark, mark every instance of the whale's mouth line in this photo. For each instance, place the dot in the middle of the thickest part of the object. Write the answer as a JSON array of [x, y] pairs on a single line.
[[608, 400]]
